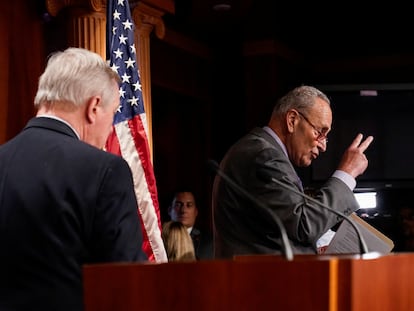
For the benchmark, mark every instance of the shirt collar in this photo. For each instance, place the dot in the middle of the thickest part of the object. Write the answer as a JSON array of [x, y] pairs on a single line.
[[59, 119], [276, 138]]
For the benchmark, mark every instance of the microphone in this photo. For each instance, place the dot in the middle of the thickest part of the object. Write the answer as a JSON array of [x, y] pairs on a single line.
[[264, 174], [287, 249]]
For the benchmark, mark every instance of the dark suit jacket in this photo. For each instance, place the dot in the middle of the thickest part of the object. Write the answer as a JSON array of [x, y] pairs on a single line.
[[63, 203], [203, 244], [242, 227]]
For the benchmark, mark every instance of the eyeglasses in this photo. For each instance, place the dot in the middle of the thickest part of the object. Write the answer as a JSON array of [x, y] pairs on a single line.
[[321, 137]]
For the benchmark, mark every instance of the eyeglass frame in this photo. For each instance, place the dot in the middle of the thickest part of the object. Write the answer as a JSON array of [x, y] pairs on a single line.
[[322, 137]]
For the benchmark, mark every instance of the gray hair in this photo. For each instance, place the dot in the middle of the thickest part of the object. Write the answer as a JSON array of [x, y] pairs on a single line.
[[74, 76], [301, 98]]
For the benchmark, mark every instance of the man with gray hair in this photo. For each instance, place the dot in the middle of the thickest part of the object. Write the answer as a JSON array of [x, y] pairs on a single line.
[[64, 201], [295, 135]]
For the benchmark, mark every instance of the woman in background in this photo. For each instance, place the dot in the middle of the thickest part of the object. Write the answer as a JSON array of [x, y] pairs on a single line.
[[177, 242]]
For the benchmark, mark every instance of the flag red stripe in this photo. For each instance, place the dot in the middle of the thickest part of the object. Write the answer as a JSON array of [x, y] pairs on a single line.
[[141, 143], [125, 138], [112, 143]]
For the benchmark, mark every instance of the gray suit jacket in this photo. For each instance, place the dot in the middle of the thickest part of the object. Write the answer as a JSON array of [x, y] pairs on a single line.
[[242, 227]]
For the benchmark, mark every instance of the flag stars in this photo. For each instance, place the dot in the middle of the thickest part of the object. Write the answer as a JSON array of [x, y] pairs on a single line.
[[118, 53], [122, 39], [130, 62], [114, 67], [123, 62], [122, 92], [125, 78], [133, 101], [137, 86], [127, 25], [116, 15], [132, 47]]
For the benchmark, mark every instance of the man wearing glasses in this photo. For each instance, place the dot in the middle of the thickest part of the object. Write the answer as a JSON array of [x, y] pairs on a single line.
[[294, 137]]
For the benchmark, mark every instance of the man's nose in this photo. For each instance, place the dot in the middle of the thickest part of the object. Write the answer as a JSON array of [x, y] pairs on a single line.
[[322, 145]]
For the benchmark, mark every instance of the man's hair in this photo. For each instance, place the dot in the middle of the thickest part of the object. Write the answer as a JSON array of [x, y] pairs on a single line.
[[183, 190], [74, 76], [301, 98]]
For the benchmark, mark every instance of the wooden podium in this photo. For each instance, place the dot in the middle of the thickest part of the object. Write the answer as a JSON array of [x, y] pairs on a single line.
[[262, 282]]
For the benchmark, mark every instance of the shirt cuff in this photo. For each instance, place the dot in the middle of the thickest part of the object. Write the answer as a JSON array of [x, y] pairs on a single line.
[[346, 178]]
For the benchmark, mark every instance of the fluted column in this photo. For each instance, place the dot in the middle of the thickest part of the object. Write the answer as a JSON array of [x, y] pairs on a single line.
[[86, 25], [86, 22], [146, 18]]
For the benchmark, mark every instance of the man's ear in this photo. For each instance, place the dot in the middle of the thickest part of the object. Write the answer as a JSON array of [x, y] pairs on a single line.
[[291, 120], [92, 107]]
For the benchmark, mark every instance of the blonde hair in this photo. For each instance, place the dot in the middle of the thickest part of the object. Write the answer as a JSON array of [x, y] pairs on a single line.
[[177, 242]]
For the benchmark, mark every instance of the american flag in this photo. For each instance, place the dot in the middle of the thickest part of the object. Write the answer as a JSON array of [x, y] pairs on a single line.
[[129, 138]]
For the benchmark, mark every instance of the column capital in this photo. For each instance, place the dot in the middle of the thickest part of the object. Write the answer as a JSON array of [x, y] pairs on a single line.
[[147, 18], [55, 6]]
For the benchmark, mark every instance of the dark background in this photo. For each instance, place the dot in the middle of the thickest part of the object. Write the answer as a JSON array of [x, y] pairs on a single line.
[[255, 52], [216, 73]]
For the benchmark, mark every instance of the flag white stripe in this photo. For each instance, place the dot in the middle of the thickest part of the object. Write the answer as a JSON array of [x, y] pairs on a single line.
[[142, 192]]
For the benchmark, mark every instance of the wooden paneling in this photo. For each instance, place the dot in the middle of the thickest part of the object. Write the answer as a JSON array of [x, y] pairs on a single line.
[[335, 283]]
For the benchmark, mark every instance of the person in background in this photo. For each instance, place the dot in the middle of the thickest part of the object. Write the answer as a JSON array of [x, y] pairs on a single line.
[[64, 201], [406, 225], [177, 242], [184, 209], [295, 136]]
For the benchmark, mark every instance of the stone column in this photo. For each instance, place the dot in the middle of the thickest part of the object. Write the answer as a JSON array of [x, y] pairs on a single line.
[[86, 25], [85, 22], [146, 18]]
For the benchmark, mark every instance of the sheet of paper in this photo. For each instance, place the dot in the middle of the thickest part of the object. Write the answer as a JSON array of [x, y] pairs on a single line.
[[346, 240]]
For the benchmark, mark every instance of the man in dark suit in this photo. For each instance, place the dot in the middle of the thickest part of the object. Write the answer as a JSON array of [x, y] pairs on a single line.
[[64, 201], [184, 209], [295, 135]]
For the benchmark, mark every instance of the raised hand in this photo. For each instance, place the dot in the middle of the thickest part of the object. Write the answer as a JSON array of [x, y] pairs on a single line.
[[354, 161]]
